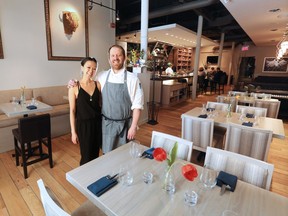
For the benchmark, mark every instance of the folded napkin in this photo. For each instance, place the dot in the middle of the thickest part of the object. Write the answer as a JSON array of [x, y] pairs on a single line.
[[31, 107], [249, 115], [148, 153], [203, 116], [227, 179], [249, 124], [210, 109], [102, 185]]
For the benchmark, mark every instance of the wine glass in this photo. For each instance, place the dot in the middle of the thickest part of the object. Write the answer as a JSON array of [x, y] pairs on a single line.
[[208, 177]]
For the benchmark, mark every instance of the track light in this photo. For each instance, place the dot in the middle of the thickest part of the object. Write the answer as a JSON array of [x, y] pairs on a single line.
[[117, 16]]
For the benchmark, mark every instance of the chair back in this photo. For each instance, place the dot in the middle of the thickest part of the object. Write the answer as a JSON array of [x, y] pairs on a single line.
[[217, 105], [34, 127], [199, 131], [50, 204], [257, 111], [249, 141], [271, 105], [228, 100], [167, 142], [247, 169], [237, 93]]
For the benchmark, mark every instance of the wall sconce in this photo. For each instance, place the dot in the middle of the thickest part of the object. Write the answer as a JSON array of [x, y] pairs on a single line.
[[135, 35], [117, 16]]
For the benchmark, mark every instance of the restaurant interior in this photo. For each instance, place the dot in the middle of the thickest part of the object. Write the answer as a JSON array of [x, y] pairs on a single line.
[[232, 128]]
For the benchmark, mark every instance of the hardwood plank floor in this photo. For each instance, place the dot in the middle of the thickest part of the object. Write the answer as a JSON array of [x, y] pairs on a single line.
[[21, 197]]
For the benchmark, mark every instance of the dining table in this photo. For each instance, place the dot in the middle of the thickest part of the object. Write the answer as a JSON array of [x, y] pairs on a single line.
[[143, 199], [220, 119], [16, 109]]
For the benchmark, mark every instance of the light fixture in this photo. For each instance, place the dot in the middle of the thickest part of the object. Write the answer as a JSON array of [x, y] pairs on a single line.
[[117, 16], [282, 46], [90, 7]]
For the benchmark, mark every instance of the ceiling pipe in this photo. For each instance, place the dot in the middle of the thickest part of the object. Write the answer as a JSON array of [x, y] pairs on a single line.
[[173, 10]]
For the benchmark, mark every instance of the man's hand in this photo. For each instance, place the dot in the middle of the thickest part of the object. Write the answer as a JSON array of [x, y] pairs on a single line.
[[72, 83]]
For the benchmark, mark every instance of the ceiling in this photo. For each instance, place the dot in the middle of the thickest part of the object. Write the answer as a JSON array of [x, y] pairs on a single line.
[[241, 20]]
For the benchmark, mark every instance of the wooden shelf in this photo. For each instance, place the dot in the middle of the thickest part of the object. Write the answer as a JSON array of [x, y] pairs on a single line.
[[183, 59]]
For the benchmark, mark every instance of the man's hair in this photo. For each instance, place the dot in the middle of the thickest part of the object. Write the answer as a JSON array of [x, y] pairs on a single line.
[[117, 46]]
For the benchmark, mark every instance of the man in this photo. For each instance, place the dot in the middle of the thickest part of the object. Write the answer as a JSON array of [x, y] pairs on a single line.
[[122, 101]]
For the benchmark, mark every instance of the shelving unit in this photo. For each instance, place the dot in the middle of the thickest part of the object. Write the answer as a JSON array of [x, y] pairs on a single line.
[[183, 59], [173, 92]]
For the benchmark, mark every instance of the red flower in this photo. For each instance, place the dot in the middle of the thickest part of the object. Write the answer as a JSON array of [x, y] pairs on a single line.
[[159, 154], [189, 172]]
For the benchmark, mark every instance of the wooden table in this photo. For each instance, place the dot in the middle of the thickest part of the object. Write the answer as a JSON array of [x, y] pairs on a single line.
[[141, 199], [13, 110], [220, 119]]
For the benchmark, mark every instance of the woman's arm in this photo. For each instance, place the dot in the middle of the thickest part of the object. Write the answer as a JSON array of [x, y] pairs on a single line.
[[72, 106]]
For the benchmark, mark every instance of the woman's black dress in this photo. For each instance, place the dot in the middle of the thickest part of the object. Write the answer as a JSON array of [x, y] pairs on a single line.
[[88, 124]]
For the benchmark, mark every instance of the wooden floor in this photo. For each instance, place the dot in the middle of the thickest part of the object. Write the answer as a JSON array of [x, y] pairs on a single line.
[[21, 197]]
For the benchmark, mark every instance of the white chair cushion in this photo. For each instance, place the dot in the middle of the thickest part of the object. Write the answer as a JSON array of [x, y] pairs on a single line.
[[217, 162], [235, 166]]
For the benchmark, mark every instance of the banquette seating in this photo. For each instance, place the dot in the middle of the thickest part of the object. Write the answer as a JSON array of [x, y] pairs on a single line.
[[52, 96]]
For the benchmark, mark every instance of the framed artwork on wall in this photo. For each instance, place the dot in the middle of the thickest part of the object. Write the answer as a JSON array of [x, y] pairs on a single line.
[[1, 48], [66, 29], [271, 65]]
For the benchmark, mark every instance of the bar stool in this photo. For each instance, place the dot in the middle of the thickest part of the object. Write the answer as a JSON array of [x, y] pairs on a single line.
[[32, 129]]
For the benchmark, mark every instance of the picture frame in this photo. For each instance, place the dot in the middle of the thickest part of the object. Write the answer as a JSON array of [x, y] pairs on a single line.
[[271, 65], [1, 48], [66, 29]]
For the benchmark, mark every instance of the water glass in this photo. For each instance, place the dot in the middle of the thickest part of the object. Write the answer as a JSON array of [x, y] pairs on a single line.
[[135, 149], [147, 177], [208, 177], [125, 176], [229, 213], [190, 197]]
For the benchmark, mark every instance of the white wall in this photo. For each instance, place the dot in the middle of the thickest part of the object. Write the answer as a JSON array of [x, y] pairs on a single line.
[[23, 31]]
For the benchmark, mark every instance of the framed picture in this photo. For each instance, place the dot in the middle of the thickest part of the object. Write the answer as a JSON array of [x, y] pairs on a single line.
[[67, 29], [271, 65], [1, 48]]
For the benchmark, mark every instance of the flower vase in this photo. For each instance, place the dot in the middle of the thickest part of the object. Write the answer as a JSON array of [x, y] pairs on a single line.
[[22, 99], [169, 181]]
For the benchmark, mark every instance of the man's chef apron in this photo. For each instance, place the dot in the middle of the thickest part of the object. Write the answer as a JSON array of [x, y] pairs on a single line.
[[116, 111]]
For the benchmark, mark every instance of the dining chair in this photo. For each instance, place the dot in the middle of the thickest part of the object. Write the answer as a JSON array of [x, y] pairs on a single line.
[[52, 206], [217, 105], [200, 131], [228, 100], [271, 105], [247, 169], [249, 141], [167, 142], [31, 133], [237, 93], [257, 111], [260, 95]]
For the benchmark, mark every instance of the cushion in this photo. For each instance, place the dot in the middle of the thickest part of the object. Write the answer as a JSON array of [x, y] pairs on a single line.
[[217, 162], [235, 167]]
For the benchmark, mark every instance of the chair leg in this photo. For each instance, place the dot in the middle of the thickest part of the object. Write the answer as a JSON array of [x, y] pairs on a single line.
[[50, 152], [24, 160], [16, 151]]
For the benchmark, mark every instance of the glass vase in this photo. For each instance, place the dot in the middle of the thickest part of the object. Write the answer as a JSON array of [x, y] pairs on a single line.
[[169, 181]]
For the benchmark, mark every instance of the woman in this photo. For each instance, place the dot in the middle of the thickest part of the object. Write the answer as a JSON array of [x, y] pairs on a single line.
[[85, 112]]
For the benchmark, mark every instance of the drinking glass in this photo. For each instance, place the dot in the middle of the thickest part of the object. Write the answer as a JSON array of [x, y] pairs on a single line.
[[125, 176], [135, 149], [147, 177], [190, 197], [229, 213], [208, 177], [203, 111]]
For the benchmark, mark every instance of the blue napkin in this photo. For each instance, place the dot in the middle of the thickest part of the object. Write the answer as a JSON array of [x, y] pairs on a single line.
[[249, 124], [249, 115], [102, 185], [148, 153], [31, 107], [203, 116], [210, 109], [227, 179]]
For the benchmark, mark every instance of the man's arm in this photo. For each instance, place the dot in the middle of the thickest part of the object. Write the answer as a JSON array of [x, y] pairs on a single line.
[[133, 129]]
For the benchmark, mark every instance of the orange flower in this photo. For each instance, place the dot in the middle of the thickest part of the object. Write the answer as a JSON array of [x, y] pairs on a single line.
[[159, 154], [189, 172]]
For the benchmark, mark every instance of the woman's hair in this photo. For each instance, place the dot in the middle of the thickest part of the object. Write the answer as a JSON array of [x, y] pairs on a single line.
[[83, 61]]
